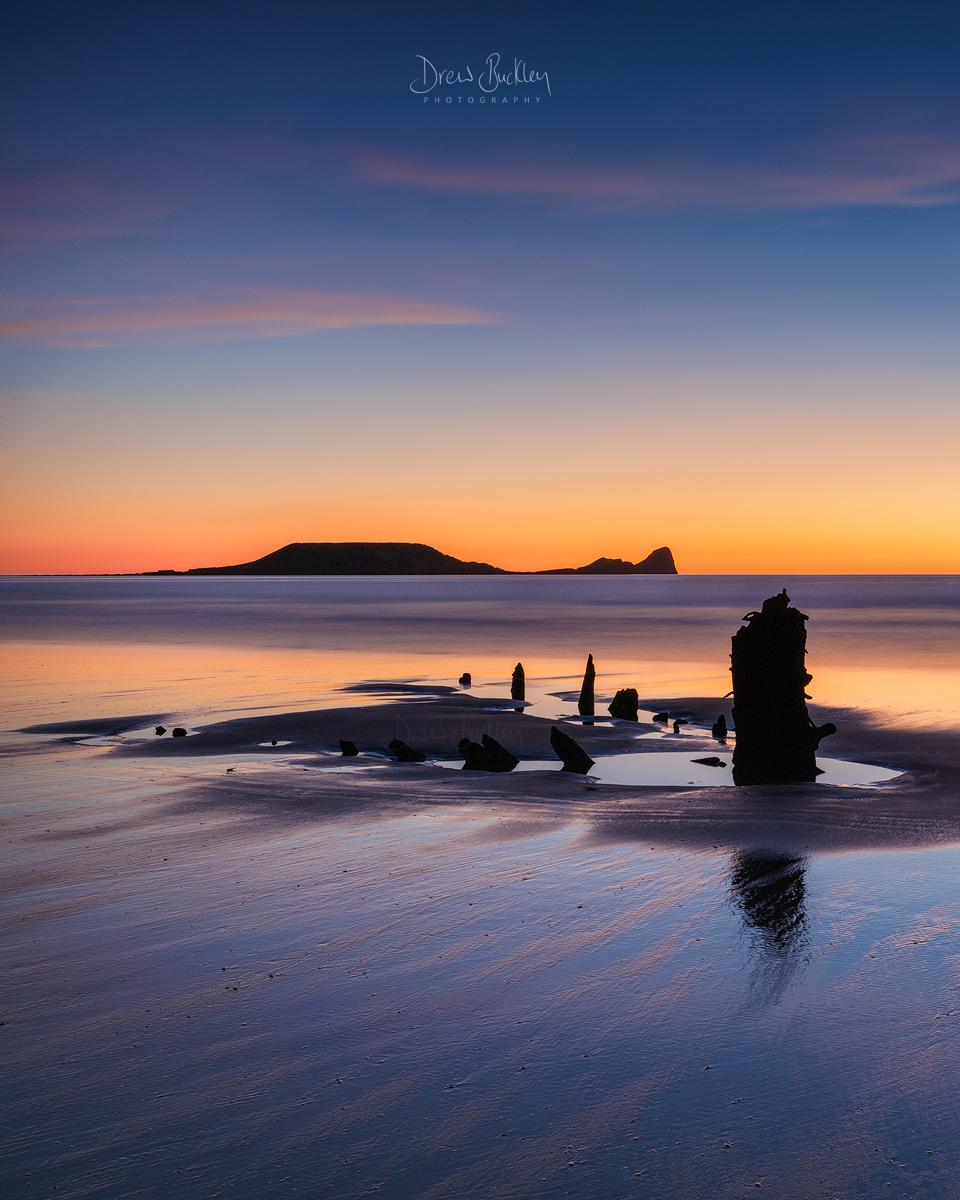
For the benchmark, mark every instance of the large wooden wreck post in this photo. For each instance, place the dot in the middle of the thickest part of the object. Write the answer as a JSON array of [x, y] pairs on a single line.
[[585, 705], [776, 740]]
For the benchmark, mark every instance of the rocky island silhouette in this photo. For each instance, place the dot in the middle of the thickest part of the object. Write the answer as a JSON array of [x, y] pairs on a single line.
[[408, 558]]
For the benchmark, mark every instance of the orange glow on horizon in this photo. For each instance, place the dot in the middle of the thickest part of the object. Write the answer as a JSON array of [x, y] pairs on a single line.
[[737, 475], [694, 555]]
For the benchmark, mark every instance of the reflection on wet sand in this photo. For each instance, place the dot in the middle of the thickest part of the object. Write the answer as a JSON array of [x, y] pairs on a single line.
[[769, 892]]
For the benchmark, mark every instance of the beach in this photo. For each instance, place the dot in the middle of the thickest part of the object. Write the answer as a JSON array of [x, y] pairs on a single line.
[[238, 967]]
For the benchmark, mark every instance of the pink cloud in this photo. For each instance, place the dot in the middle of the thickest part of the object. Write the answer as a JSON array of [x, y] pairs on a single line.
[[161, 182], [905, 170], [253, 313], [77, 206]]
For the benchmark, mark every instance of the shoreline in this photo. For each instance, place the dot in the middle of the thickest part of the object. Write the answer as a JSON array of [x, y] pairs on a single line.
[[312, 782]]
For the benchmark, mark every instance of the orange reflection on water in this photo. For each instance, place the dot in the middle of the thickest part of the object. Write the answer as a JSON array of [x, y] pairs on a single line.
[[917, 697], [47, 681]]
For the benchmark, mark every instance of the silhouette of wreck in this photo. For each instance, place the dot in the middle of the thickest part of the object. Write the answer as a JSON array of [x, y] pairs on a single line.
[[586, 702], [776, 739], [518, 685], [573, 756], [625, 705], [487, 755], [404, 753]]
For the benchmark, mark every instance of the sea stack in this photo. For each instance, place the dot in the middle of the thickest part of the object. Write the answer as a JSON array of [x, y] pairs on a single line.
[[776, 740], [586, 702], [518, 684]]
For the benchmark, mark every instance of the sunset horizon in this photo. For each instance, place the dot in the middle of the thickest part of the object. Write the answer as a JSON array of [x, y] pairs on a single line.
[[772, 562], [480, 599], [702, 292]]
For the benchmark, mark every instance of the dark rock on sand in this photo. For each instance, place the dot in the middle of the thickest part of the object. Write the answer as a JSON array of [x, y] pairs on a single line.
[[571, 754], [518, 684], [677, 723], [625, 705], [776, 739], [719, 729], [348, 749], [585, 705], [179, 732], [663, 717], [405, 753], [709, 762], [160, 731], [488, 755], [466, 679]]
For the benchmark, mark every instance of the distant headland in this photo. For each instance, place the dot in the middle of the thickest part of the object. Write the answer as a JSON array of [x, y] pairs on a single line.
[[408, 558]]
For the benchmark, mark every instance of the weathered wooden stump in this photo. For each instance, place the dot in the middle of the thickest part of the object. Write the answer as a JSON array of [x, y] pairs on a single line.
[[487, 755], [585, 704], [571, 753], [625, 705], [776, 740]]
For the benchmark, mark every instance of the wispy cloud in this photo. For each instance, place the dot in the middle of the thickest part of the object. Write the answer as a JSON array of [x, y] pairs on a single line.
[[252, 313], [78, 206], [918, 170], [221, 177], [148, 181]]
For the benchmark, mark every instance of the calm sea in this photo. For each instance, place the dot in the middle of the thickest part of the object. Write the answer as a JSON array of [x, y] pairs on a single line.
[[108, 646]]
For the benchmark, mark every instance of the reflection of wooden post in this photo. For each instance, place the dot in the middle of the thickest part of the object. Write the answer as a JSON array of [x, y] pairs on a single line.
[[776, 740], [518, 685], [769, 890], [585, 703]]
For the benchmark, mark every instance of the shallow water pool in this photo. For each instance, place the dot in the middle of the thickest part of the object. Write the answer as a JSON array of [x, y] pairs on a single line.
[[679, 769]]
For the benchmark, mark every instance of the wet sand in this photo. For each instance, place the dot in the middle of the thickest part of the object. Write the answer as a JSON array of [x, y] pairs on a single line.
[[921, 807], [240, 970]]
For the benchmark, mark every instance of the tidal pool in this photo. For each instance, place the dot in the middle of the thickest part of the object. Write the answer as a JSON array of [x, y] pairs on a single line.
[[681, 769]]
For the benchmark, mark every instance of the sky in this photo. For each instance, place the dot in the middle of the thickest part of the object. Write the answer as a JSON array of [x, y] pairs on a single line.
[[529, 283]]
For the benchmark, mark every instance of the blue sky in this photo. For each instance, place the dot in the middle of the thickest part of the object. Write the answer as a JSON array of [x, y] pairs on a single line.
[[720, 216]]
